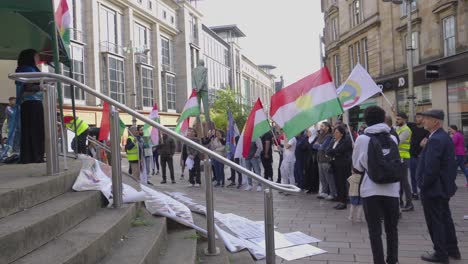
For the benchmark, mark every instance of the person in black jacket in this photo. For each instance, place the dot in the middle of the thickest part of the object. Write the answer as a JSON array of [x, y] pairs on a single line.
[[340, 150], [436, 173], [301, 154], [311, 174], [166, 152]]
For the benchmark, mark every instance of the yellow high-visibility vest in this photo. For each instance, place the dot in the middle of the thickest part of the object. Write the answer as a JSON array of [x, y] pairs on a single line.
[[132, 154], [80, 123], [404, 146]]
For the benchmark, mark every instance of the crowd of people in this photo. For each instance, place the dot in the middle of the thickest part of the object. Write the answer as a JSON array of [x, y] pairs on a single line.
[[377, 171]]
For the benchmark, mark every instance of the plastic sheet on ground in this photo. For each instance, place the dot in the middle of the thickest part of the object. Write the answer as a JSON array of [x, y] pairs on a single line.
[[95, 175], [240, 233], [164, 205]]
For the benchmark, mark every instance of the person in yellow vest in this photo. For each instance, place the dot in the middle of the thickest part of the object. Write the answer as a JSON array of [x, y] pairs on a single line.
[[404, 134], [82, 131], [132, 150]]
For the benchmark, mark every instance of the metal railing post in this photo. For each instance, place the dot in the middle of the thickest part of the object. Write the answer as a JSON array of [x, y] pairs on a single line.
[[269, 227], [50, 129], [212, 250], [116, 159]]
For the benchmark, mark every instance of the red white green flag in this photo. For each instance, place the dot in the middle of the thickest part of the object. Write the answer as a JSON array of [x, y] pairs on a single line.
[[63, 19], [150, 131], [256, 126], [305, 102], [191, 108]]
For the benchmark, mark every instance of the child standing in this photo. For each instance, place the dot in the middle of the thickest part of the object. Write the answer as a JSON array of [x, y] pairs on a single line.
[[355, 211]]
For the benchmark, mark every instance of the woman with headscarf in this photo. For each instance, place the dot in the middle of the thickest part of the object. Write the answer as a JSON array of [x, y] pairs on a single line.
[[29, 99], [340, 151], [311, 177]]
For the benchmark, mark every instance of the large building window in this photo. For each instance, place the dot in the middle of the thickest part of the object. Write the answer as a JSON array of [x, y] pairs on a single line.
[[147, 86], [77, 61], [108, 30], [449, 35], [365, 54], [404, 7], [193, 29], [414, 47], [356, 13], [171, 92], [337, 72], [140, 37], [334, 29], [116, 80], [352, 61], [166, 54]]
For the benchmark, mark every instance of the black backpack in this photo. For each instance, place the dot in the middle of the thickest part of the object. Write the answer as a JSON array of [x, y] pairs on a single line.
[[383, 168]]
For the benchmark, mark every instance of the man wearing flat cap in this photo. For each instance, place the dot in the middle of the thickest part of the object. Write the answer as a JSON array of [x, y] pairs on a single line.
[[437, 170]]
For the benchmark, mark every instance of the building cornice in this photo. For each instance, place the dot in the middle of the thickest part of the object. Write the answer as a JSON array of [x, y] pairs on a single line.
[[403, 28], [444, 5]]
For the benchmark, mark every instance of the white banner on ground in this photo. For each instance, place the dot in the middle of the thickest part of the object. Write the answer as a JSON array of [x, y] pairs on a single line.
[[297, 252], [95, 175], [161, 204], [246, 234]]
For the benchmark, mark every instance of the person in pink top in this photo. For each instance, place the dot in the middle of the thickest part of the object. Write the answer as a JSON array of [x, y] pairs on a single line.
[[459, 142]]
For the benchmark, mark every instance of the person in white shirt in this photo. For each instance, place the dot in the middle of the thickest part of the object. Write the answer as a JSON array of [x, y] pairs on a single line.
[[380, 201], [289, 159]]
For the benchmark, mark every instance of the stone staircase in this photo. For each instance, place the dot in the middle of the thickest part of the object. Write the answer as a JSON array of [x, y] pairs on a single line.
[[43, 221]]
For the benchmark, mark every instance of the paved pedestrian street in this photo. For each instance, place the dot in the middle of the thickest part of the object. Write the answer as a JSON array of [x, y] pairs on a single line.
[[345, 242]]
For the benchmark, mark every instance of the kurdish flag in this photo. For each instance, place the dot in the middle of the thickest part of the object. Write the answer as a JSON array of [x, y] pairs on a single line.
[[305, 102], [150, 131], [191, 108], [63, 19], [358, 87], [256, 126]]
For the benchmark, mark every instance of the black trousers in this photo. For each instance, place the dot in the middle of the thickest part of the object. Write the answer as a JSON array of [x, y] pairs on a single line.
[[81, 140], [233, 173], [311, 176], [341, 172], [32, 132], [387, 208], [167, 160], [279, 166], [268, 167], [440, 224], [194, 173]]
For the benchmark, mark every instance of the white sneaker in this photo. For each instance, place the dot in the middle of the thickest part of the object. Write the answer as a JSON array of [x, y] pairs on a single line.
[[192, 185], [197, 185], [259, 188], [329, 197], [322, 195], [248, 188]]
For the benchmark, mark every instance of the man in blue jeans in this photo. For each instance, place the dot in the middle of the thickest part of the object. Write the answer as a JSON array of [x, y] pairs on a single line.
[[253, 162], [419, 133]]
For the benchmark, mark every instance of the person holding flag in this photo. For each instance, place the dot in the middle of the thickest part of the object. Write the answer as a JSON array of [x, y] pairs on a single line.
[[256, 126], [232, 136]]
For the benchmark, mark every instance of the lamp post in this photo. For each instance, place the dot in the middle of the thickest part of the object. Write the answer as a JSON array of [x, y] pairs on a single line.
[[409, 56]]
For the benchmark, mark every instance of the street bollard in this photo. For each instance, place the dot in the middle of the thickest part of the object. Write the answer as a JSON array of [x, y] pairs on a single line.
[[212, 250], [116, 159], [269, 227]]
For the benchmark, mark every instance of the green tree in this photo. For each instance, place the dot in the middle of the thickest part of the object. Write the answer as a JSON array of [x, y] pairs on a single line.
[[228, 100]]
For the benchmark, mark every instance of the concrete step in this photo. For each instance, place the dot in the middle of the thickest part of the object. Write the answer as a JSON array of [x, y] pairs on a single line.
[[25, 231], [89, 242], [181, 247], [225, 257], [24, 185], [142, 244]]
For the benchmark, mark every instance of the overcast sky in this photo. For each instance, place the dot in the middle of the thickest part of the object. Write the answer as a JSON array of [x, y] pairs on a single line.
[[278, 32]]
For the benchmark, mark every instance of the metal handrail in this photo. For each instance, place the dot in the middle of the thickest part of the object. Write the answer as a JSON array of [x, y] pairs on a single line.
[[32, 77], [52, 164]]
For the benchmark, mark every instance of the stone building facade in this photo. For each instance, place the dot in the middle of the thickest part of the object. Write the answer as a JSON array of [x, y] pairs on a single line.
[[373, 33]]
